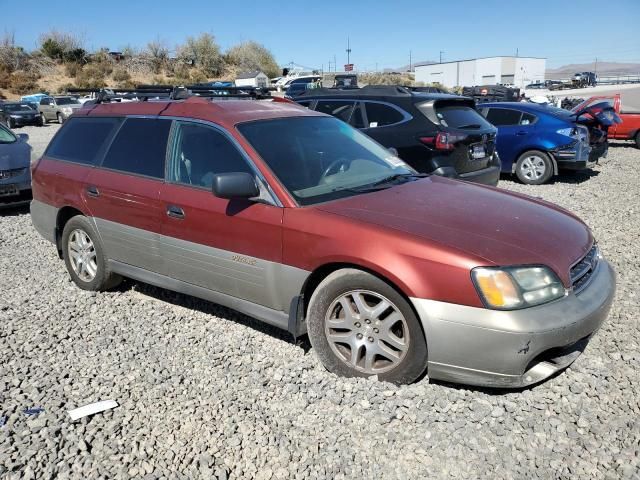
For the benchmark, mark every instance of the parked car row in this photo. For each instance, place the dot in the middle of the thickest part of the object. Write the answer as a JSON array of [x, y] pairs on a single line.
[[38, 110], [452, 136]]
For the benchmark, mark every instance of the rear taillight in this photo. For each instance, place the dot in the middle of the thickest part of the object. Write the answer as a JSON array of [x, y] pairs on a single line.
[[443, 140]]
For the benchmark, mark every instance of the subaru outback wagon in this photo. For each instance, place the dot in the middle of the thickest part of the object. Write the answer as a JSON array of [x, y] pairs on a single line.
[[298, 219]]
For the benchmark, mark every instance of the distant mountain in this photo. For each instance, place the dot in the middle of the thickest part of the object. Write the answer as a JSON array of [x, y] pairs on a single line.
[[603, 68], [405, 68]]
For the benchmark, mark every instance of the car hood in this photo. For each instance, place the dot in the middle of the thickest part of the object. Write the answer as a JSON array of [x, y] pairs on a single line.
[[23, 112], [14, 155], [495, 226]]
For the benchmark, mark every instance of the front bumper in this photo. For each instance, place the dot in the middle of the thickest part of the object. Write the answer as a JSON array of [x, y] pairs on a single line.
[[24, 121], [575, 157], [511, 349], [15, 190]]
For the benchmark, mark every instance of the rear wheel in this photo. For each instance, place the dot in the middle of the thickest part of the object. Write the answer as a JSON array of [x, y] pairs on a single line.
[[40, 121], [360, 326], [534, 167], [60, 118], [84, 256], [43, 119]]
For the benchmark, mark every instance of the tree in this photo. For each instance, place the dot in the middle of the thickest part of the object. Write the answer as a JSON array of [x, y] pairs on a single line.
[[159, 54], [251, 55], [204, 53], [59, 45], [12, 57]]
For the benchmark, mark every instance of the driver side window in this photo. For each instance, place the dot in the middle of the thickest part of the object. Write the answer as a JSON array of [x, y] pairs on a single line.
[[199, 152]]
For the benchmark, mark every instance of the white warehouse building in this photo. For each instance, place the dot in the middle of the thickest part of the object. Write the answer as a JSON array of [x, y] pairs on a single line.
[[518, 71]]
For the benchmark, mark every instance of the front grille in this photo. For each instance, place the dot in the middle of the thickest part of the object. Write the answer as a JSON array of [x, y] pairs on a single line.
[[12, 173], [581, 272]]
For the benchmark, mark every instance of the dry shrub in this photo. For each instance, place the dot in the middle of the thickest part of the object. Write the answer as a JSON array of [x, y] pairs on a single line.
[[23, 82]]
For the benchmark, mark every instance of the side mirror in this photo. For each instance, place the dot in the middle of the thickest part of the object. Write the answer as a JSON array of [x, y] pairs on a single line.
[[234, 185], [23, 137]]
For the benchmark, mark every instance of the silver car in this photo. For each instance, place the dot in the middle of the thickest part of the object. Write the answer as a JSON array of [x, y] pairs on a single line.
[[57, 108]]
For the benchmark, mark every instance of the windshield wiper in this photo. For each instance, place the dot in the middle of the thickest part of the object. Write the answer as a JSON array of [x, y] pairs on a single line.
[[383, 183]]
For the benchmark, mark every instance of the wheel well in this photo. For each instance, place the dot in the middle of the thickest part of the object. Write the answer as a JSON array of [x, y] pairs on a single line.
[[320, 273], [64, 215]]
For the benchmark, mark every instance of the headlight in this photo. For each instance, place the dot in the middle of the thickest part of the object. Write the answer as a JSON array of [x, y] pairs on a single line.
[[67, 110], [516, 287], [568, 132]]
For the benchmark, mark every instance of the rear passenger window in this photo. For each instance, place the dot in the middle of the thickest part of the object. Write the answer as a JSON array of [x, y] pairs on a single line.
[[337, 108], [527, 119], [357, 119], [200, 152], [140, 147], [503, 116], [305, 103], [81, 140], [379, 115]]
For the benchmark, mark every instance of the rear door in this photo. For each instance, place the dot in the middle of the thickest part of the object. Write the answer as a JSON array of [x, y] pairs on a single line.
[[380, 120], [123, 193], [515, 131], [232, 247]]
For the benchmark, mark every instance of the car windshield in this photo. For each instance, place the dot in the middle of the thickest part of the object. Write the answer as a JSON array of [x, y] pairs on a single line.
[[67, 101], [16, 107], [320, 158], [6, 136]]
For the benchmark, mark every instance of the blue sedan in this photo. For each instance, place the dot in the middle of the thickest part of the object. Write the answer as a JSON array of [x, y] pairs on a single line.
[[15, 161], [535, 141]]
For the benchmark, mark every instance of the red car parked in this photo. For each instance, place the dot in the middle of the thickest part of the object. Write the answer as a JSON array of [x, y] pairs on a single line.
[[628, 129], [301, 221]]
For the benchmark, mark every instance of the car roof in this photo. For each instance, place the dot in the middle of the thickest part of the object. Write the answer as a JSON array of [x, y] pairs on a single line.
[[376, 92], [224, 112]]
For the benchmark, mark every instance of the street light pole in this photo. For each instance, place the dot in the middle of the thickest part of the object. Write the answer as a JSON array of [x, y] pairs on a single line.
[[441, 52], [348, 52]]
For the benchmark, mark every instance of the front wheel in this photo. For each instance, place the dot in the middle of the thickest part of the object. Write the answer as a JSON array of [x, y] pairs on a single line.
[[638, 139], [360, 326], [60, 118], [534, 167], [11, 123], [84, 256]]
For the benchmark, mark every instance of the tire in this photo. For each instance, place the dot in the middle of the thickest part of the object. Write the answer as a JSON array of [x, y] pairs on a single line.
[[534, 167], [41, 121], [401, 361], [60, 118], [44, 119], [95, 275], [637, 139], [10, 123]]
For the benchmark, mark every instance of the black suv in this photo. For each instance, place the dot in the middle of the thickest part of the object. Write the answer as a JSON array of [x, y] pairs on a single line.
[[434, 133]]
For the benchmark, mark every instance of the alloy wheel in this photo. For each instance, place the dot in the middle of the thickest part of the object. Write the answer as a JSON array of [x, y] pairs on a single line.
[[367, 331], [533, 167], [82, 255]]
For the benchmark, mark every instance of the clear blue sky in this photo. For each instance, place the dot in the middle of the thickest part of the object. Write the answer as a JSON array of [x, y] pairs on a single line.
[[382, 33]]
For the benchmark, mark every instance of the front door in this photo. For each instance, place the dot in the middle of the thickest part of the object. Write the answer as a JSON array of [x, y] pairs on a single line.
[[232, 247], [515, 133], [123, 193]]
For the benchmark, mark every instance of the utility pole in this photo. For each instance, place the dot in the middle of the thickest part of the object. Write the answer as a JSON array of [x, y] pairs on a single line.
[[441, 52], [348, 52], [595, 67], [409, 60], [335, 65], [517, 50]]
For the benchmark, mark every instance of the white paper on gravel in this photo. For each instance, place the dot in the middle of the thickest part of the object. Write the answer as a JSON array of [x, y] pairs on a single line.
[[92, 409]]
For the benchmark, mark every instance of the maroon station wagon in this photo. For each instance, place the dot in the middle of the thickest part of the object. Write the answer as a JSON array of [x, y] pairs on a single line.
[[297, 219]]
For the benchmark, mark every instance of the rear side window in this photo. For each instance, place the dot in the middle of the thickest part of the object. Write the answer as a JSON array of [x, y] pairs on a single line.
[[527, 119], [504, 116], [140, 147], [81, 140], [305, 103], [461, 116], [379, 115], [338, 108]]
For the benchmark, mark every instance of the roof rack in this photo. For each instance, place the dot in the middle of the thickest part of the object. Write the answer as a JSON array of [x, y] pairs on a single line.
[[170, 92], [370, 90]]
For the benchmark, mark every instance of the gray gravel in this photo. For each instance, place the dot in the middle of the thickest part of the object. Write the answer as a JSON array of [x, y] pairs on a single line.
[[206, 392]]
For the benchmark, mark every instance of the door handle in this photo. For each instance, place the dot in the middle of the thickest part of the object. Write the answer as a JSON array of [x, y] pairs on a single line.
[[175, 212], [521, 132], [92, 191]]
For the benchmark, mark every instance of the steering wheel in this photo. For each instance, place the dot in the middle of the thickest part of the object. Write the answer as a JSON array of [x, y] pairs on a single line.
[[335, 165]]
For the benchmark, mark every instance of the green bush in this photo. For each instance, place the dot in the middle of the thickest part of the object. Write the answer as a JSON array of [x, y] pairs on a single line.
[[204, 53]]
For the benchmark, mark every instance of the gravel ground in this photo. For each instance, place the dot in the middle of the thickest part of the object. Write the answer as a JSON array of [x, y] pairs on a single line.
[[206, 392]]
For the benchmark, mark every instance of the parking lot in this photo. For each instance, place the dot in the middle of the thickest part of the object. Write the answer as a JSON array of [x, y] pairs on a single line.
[[206, 392]]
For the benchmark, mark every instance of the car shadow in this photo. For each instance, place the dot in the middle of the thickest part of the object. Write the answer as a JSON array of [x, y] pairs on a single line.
[[623, 144], [14, 210], [565, 176], [212, 309]]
